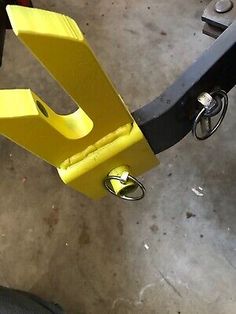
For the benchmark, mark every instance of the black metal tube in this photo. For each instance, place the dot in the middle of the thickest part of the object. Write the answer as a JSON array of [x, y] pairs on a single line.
[[168, 118]]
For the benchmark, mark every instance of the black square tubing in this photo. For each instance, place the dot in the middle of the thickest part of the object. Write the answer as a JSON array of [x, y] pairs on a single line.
[[170, 117]]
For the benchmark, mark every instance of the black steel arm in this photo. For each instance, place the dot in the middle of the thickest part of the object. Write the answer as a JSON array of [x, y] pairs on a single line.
[[4, 21], [167, 119]]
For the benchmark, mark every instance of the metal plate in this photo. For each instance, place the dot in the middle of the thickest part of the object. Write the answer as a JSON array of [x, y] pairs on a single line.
[[220, 20]]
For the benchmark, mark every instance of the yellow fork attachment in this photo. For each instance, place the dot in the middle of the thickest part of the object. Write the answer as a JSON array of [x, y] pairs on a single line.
[[88, 144]]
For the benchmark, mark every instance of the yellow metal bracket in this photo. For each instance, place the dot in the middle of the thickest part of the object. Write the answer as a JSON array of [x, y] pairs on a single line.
[[88, 144]]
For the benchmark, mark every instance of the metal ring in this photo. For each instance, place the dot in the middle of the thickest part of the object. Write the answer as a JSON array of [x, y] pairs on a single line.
[[201, 114], [125, 197]]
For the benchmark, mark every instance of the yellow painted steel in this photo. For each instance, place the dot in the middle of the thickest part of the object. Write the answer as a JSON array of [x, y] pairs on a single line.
[[117, 185], [88, 144]]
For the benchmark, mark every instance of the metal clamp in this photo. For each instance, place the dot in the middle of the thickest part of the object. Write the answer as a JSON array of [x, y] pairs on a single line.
[[213, 104], [123, 180], [218, 16]]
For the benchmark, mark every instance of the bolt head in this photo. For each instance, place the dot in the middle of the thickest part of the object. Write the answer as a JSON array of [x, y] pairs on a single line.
[[223, 6]]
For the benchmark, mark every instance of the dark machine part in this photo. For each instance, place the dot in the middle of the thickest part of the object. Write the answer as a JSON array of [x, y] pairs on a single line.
[[218, 16], [20, 302], [3, 26], [4, 21], [167, 119]]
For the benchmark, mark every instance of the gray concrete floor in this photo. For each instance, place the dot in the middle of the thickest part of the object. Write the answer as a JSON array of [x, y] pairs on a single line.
[[90, 256]]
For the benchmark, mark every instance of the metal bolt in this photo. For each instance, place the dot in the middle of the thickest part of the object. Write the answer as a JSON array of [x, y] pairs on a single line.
[[223, 6]]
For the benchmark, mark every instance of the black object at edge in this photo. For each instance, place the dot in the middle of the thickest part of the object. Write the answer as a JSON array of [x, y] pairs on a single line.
[[169, 118]]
